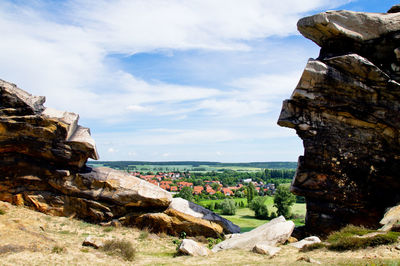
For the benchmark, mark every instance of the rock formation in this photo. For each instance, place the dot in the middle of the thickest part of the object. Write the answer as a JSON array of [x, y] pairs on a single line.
[[346, 109], [277, 231], [43, 155]]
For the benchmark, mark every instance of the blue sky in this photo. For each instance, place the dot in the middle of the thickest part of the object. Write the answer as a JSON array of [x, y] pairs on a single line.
[[167, 80]]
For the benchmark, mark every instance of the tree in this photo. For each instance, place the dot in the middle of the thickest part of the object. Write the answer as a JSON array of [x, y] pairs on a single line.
[[283, 199], [250, 192], [260, 208], [214, 186], [186, 193], [228, 207]]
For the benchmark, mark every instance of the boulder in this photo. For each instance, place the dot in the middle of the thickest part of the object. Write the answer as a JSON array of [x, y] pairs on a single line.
[[306, 241], [347, 25], [109, 185], [266, 249], [192, 248], [190, 208], [176, 223], [276, 231], [346, 109], [391, 218]]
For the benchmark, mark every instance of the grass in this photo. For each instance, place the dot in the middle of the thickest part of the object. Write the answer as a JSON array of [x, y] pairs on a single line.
[[121, 248], [108, 229], [21, 248], [58, 249], [143, 235], [245, 219], [353, 237]]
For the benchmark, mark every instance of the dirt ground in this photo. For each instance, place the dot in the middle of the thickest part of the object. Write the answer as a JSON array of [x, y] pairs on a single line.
[[31, 238]]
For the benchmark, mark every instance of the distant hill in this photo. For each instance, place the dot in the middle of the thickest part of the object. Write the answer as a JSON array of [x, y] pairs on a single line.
[[196, 164]]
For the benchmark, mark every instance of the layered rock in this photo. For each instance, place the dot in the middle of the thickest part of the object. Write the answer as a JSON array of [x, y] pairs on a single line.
[[43, 155], [346, 109]]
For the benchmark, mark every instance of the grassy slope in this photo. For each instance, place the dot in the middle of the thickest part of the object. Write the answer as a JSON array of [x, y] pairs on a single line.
[[39, 234]]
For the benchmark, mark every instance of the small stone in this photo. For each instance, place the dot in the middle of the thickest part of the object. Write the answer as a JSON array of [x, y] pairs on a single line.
[[116, 223], [306, 241], [308, 259], [266, 249], [192, 248], [94, 242]]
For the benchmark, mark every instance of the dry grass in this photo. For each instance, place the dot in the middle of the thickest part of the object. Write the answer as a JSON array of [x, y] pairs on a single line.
[[32, 238]]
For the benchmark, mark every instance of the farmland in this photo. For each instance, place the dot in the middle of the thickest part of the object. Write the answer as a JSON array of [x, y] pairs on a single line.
[[192, 166]]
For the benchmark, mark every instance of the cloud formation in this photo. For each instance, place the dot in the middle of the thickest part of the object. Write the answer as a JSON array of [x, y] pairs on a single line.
[[66, 50]]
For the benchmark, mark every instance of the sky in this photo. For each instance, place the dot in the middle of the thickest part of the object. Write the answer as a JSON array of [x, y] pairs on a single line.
[[172, 80]]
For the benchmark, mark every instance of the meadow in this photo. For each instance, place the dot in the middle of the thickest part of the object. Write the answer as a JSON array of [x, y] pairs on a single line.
[[245, 219]]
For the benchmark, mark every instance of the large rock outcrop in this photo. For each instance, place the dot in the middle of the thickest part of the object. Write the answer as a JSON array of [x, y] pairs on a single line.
[[346, 109], [43, 155]]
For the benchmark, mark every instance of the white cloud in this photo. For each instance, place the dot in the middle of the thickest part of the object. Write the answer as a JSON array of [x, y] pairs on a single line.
[[63, 53], [133, 26], [112, 150]]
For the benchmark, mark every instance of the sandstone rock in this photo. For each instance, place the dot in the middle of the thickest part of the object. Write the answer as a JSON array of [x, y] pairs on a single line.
[[71, 119], [266, 249], [276, 231], [192, 248], [22, 102], [391, 218], [394, 9], [190, 208], [43, 155], [345, 108], [344, 25], [94, 242], [106, 184], [306, 241], [174, 223]]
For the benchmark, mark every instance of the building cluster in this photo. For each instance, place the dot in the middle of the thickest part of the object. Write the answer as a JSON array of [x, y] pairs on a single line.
[[170, 182]]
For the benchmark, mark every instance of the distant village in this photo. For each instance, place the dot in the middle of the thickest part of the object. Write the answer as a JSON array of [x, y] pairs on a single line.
[[175, 182]]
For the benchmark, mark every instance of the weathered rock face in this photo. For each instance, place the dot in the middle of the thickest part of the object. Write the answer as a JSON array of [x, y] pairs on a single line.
[[43, 155], [346, 109], [277, 231]]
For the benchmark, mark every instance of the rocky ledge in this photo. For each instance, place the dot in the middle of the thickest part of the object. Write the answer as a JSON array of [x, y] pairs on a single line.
[[346, 109], [43, 155]]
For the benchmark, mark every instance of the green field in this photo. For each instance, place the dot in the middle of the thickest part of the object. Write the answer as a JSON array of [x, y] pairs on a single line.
[[192, 166], [245, 219]]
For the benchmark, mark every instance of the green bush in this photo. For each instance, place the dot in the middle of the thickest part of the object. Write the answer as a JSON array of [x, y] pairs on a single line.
[[213, 241], [121, 248], [260, 208], [312, 246], [350, 238], [143, 235], [228, 207], [108, 229], [58, 249], [354, 242], [2, 212]]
